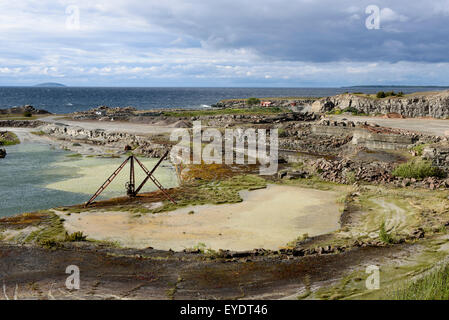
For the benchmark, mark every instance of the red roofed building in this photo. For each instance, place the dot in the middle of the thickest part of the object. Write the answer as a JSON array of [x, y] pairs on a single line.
[[265, 104]]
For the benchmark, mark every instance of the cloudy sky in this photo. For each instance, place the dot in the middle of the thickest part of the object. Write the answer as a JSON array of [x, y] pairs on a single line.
[[289, 43]]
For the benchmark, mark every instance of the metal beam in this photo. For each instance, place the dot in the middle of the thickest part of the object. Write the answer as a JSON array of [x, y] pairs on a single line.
[[153, 179], [107, 182]]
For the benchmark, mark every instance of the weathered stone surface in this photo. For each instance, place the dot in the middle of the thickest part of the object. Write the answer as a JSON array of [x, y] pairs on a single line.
[[104, 113], [142, 144], [434, 105]]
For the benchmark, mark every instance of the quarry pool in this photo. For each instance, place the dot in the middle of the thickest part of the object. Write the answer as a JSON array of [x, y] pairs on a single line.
[[36, 176]]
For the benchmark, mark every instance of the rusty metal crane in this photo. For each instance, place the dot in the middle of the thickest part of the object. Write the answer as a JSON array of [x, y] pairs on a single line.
[[131, 190]]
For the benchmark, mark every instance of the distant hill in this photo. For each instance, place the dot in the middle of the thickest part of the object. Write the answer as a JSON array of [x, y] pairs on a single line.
[[50, 84]]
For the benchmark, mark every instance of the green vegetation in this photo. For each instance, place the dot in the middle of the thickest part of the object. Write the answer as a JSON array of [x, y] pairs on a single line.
[[351, 110], [27, 114], [418, 169], [214, 112], [433, 286], [38, 133], [19, 116], [214, 192], [419, 149], [274, 99], [335, 111], [52, 232], [253, 101], [382, 94], [8, 139], [75, 237], [384, 235], [74, 155]]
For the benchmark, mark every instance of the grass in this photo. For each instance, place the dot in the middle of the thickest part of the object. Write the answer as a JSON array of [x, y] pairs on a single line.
[[275, 99], [433, 286], [352, 110], [38, 133], [18, 117], [75, 237], [213, 112], [418, 169], [213, 192], [74, 155], [419, 149], [384, 235], [52, 232], [8, 139], [197, 192]]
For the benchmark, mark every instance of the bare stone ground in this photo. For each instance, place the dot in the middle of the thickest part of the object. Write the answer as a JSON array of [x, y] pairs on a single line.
[[267, 218]]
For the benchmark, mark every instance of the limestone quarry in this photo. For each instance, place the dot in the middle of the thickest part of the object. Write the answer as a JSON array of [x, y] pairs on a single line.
[[351, 190]]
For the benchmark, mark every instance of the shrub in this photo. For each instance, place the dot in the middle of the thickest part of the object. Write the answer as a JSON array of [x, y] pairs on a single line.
[[419, 149], [49, 243], [381, 95], [352, 110], [75, 237], [418, 169], [253, 101], [336, 111], [384, 235], [282, 133]]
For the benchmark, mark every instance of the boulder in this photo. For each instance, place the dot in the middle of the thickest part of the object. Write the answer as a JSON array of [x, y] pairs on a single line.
[[2, 153]]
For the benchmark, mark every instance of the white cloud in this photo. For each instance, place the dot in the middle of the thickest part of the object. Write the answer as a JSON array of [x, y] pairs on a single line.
[[388, 15], [290, 42]]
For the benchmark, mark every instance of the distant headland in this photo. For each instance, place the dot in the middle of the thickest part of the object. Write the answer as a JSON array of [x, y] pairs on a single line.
[[50, 84]]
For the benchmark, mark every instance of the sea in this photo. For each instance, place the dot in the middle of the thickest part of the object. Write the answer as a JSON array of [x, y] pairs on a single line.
[[60, 100]]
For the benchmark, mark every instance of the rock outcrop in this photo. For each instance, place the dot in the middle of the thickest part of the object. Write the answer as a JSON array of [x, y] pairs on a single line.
[[275, 102], [121, 140], [2, 153], [20, 123], [430, 104], [24, 109], [106, 113]]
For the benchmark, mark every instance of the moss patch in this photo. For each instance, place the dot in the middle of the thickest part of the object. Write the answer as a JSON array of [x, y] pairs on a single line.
[[8, 139]]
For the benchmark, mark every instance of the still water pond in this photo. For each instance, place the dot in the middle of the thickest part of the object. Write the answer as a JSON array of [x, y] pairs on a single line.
[[37, 176]]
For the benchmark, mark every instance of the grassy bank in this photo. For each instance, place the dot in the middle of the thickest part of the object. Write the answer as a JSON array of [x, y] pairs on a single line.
[[418, 169], [214, 112], [19, 117], [432, 286]]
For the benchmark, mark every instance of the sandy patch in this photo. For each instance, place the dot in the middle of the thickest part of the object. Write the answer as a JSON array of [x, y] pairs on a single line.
[[267, 218]]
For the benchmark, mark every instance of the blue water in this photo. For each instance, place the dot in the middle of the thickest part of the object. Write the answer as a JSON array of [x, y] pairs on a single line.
[[37, 176], [70, 99], [23, 176]]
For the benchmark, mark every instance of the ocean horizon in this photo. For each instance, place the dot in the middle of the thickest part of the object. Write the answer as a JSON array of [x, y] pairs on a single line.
[[61, 100]]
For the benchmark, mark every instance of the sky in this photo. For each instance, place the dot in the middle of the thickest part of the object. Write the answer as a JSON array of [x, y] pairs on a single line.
[[232, 43]]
